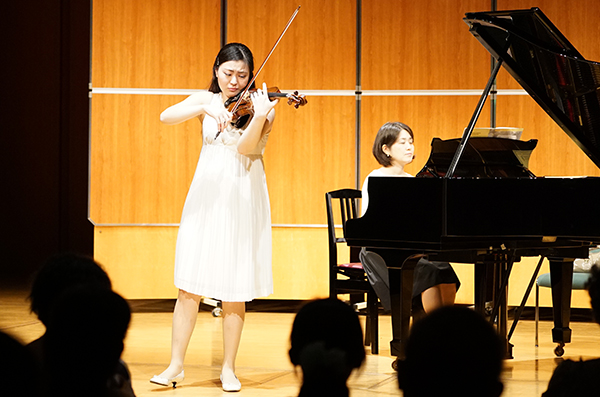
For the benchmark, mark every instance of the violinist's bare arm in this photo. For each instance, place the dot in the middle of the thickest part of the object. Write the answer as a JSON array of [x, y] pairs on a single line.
[[264, 114], [196, 105]]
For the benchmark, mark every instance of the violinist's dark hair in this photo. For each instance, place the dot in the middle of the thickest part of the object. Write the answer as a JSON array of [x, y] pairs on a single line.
[[232, 52], [387, 135], [327, 343]]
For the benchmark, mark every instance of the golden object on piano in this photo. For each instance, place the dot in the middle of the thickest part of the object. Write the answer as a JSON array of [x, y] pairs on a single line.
[[498, 132]]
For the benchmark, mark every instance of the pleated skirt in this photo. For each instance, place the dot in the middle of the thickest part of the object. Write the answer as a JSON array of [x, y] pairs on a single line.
[[224, 240], [431, 273]]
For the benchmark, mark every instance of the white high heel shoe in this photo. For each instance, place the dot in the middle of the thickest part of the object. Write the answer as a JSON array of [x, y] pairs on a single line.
[[159, 380], [233, 386]]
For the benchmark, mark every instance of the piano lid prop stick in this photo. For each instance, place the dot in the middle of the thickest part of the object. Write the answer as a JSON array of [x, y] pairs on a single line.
[[469, 130]]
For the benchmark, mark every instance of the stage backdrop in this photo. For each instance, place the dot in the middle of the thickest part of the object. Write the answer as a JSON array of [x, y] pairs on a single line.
[[418, 64]]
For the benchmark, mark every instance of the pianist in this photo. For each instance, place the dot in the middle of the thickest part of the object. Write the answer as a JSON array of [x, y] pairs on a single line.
[[435, 283]]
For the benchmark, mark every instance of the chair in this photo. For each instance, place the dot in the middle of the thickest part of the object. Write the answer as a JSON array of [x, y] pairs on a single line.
[[579, 282], [350, 278]]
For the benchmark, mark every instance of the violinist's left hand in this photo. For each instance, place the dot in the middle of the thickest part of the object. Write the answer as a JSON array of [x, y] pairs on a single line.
[[261, 121], [261, 103]]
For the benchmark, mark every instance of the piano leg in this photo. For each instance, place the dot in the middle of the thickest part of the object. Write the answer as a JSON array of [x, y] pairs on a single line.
[[561, 276], [504, 269], [401, 288], [491, 293], [483, 288]]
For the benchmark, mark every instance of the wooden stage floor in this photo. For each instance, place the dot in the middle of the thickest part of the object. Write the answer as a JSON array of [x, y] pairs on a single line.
[[263, 365]]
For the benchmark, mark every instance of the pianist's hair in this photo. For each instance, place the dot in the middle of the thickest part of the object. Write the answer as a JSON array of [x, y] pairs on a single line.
[[387, 135]]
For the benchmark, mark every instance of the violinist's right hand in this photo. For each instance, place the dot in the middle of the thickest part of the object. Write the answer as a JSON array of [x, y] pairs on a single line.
[[220, 114]]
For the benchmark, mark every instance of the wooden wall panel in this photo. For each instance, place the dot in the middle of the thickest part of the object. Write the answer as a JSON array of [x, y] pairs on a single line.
[[311, 151], [140, 261], [428, 116], [300, 263], [147, 254], [556, 154], [154, 43], [408, 46], [141, 169], [316, 53]]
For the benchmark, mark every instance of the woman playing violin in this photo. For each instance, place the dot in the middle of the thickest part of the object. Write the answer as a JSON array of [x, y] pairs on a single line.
[[224, 242]]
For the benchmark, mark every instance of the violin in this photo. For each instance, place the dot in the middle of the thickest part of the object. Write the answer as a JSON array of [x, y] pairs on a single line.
[[241, 105], [243, 111]]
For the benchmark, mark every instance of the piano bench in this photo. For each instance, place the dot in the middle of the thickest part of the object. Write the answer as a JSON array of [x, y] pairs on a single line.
[[353, 265]]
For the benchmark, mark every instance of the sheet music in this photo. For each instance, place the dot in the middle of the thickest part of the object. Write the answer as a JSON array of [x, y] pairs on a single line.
[[498, 132]]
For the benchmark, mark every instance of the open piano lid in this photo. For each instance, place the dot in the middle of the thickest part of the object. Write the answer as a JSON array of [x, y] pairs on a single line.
[[482, 158], [548, 67]]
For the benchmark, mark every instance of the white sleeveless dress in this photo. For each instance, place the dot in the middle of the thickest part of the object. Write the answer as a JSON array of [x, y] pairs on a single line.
[[224, 241]]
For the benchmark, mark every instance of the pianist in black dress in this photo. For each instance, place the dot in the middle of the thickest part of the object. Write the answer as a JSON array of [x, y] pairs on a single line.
[[435, 283]]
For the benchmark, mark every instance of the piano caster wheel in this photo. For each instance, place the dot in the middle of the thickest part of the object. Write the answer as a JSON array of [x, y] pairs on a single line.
[[559, 350], [395, 365], [488, 309], [217, 312]]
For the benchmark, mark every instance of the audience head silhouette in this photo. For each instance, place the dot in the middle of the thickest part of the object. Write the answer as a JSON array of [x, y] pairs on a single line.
[[18, 369], [327, 344], [579, 378], [463, 350], [593, 287], [84, 339], [60, 273]]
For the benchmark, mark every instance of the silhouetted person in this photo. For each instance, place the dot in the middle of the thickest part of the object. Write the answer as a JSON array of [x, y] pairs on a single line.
[[453, 351], [18, 370], [84, 342], [327, 344], [579, 378], [60, 274]]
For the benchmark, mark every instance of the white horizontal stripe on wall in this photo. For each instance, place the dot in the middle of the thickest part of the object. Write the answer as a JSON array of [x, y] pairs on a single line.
[[175, 91]]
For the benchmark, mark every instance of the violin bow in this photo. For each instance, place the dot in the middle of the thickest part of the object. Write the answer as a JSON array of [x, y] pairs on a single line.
[[237, 103]]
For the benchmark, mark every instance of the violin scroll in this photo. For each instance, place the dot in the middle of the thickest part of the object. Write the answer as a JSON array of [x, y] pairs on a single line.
[[296, 99]]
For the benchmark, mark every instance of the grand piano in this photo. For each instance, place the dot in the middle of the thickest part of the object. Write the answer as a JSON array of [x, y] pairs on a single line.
[[463, 205]]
